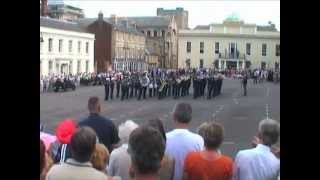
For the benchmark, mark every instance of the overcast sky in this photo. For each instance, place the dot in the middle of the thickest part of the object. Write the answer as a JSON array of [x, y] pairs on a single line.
[[200, 12]]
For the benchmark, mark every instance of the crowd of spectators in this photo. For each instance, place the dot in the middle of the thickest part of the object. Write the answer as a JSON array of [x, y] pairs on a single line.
[[96, 149]]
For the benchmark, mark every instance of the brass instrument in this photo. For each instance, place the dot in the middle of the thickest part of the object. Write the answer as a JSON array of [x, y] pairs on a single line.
[[163, 83]]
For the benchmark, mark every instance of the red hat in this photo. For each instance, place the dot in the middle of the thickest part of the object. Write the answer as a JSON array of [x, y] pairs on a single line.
[[65, 130]]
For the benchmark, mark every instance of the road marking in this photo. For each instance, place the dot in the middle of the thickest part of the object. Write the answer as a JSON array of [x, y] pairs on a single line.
[[268, 91], [217, 111], [228, 142], [235, 101]]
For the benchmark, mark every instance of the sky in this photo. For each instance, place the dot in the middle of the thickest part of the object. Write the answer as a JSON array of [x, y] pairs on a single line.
[[200, 12]]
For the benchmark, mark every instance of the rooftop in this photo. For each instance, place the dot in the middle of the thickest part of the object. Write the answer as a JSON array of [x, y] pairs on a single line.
[[63, 25]]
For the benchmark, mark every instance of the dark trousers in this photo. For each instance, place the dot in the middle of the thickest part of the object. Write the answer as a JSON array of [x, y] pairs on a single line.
[[169, 90], [244, 89], [111, 90], [136, 91], [142, 91], [210, 88], [124, 93], [131, 91], [106, 90], [150, 92], [177, 92], [118, 90]]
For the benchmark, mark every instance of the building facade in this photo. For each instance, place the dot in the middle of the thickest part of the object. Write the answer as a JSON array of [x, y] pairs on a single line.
[[163, 31], [119, 45], [58, 9], [232, 44], [65, 48]]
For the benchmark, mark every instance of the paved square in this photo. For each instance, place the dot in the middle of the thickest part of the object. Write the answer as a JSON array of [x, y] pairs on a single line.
[[239, 115]]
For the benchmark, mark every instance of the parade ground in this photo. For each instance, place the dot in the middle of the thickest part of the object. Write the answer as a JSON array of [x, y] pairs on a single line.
[[239, 114]]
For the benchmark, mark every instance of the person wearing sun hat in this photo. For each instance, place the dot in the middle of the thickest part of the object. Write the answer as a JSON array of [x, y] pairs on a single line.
[[60, 150]]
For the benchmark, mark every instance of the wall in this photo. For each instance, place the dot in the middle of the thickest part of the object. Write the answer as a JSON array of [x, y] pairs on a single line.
[[209, 56], [103, 54], [70, 57]]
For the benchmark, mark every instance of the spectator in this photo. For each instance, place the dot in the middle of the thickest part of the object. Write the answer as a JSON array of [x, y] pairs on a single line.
[[146, 149], [82, 146], [181, 141], [60, 150], [259, 162], [167, 164], [42, 159], [100, 158], [209, 164], [120, 161], [105, 129]]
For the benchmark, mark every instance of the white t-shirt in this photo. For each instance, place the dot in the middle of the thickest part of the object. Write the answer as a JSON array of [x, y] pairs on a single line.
[[179, 143]]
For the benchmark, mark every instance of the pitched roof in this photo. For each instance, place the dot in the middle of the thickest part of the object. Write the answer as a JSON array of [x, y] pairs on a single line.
[[63, 25], [85, 22], [202, 27], [150, 21]]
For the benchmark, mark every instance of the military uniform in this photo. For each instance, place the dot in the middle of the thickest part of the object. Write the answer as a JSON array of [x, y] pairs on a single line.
[[210, 86], [106, 87], [112, 82], [118, 84], [244, 85], [125, 88]]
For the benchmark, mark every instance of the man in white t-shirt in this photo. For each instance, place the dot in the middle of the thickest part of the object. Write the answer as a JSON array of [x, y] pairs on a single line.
[[181, 141]]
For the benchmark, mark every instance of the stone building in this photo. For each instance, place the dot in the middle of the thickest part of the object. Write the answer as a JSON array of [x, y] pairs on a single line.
[[118, 46], [65, 47], [232, 44]]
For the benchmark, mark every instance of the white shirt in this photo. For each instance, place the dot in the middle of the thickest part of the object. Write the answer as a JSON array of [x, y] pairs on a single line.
[[120, 162], [256, 164], [179, 143]]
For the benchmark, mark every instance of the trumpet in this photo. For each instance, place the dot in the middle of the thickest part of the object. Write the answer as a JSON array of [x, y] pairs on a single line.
[[163, 83]]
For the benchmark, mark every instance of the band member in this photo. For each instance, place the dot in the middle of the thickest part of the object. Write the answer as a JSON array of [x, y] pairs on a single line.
[[125, 88], [106, 86], [144, 81], [118, 83], [112, 82], [244, 84]]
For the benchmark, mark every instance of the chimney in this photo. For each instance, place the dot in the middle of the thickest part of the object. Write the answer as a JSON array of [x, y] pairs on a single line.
[[114, 19], [100, 16], [44, 8]]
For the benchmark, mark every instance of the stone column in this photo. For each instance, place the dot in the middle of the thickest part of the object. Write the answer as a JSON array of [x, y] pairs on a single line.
[[237, 64]]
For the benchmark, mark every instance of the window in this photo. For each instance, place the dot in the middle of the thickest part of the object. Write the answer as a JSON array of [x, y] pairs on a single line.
[[264, 49], [201, 47], [60, 45], [87, 47], [201, 63], [188, 47], [50, 67], [148, 33], [163, 33], [155, 33], [50, 45], [79, 66], [278, 50], [248, 48], [87, 66], [79, 46], [70, 45], [216, 48]]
